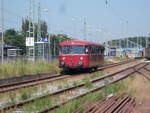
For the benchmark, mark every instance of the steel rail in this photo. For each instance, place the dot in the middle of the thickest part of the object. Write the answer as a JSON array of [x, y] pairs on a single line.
[[111, 105], [49, 73], [64, 90], [116, 64], [30, 84], [92, 91], [37, 81]]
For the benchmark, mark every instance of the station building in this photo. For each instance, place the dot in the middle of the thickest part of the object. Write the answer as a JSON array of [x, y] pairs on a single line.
[[129, 52], [110, 50], [10, 51]]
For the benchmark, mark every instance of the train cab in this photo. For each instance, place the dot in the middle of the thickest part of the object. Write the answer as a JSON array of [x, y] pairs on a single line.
[[80, 54]]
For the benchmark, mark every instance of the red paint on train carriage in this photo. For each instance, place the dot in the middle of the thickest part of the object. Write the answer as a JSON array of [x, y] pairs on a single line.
[[80, 54]]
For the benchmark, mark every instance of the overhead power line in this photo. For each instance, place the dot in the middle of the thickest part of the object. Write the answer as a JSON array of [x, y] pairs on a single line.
[[11, 13], [122, 18], [10, 21]]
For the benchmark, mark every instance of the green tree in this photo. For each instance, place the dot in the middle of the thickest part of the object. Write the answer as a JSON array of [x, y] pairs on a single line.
[[15, 38], [55, 40], [25, 28]]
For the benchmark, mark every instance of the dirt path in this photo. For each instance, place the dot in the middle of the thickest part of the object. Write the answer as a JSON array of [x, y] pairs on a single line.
[[140, 87]]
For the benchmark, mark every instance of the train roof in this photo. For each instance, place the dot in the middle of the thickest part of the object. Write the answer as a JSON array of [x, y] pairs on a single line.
[[76, 42]]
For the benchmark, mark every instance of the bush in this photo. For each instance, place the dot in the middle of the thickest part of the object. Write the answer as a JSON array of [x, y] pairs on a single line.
[[25, 96]]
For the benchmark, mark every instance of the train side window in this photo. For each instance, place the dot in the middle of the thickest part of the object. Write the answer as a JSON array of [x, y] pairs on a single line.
[[102, 50], [99, 50], [95, 50], [92, 50], [87, 49]]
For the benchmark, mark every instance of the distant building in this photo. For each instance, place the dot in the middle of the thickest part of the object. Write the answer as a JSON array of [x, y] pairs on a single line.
[[110, 50], [129, 52], [13, 52], [10, 51]]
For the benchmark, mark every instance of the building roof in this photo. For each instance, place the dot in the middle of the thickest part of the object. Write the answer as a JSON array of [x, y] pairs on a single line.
[[139, 49], [76, 42], [7, 46]]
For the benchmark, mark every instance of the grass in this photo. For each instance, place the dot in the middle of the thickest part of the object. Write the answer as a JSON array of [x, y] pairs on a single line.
[[26, 93], [15, 96], [19, 68], [92, 97], [119, 58], [96, 74], [25, 96], [49, 101], [41, 104], [88, 83], [71, 106]]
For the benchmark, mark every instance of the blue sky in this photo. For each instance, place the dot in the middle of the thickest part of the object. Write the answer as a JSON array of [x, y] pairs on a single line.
[[104, 22]]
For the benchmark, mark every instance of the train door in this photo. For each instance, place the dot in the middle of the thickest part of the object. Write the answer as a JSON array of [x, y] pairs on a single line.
[[101, 55], [93, 56]]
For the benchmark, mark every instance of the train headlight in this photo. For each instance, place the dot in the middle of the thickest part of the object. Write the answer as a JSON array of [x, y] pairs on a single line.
[[81, 58], [62, 63], [63, 58], [80, 62]]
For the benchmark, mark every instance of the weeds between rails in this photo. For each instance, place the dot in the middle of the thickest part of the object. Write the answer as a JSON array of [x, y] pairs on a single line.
[[45, 78]]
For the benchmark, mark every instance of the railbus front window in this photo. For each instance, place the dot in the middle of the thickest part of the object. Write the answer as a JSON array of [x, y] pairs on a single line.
[[65, 49], [73, 50]]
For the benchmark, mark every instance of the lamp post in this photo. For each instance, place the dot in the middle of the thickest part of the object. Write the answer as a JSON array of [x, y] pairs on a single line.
[[49, 36], [2, 31], [147, 42]]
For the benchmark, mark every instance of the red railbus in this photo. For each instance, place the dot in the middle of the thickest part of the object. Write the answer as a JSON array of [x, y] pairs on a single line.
[[80, 55]]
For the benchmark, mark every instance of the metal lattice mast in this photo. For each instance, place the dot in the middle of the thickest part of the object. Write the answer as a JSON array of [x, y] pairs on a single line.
[[39, 23], [39, 46], [146, 42], [2, 31], [127, 44], [134, 44], [54, 49], [85, 29], [49, 36], [120, 43], [31, 31], [137, 41]]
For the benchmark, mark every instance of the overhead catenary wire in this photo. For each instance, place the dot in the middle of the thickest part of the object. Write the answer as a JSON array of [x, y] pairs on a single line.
[[121, 18], [11, 21], [11, 13]]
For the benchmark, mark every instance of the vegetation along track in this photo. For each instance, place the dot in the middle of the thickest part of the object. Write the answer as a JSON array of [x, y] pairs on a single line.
[[112, 78], [47, 78]]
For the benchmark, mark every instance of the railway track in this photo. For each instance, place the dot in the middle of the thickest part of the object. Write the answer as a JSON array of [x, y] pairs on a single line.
[[48, 78], [114, 104], [117, 76], [135, 69]]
